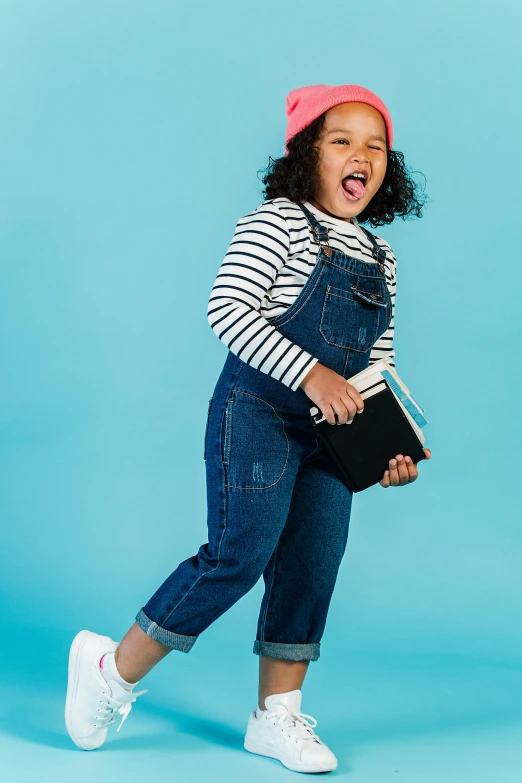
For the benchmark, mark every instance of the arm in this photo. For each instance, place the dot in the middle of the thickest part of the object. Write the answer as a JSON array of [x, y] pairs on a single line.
[[258, 250]]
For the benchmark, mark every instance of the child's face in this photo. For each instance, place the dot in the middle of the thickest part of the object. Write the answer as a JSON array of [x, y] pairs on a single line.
[[353, 139]]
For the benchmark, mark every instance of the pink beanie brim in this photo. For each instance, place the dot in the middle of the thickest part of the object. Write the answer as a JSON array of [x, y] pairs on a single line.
[[305, 104]]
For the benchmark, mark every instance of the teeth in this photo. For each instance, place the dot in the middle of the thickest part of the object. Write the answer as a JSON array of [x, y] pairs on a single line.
[[358, 175]]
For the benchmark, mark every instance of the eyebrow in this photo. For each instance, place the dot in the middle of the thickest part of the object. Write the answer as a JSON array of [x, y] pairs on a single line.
[[347, 130]]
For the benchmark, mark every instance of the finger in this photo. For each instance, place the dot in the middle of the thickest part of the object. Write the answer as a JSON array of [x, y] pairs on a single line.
[[356, 397], [340, 409], [402, 470], [350, 406], [427, 453], [329, 413], [412, 468], [394, 473], [385, 481]]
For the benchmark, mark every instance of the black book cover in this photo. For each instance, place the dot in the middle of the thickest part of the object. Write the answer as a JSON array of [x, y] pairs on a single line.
[[363, 448]]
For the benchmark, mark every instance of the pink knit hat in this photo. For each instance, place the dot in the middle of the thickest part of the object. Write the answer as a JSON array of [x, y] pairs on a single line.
[[305, 104]]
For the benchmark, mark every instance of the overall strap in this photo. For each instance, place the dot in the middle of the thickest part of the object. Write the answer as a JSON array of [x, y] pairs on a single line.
[[319, 231], [377, 251]]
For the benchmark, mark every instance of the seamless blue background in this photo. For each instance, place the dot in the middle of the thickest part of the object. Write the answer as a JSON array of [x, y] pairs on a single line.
[[130, 138]]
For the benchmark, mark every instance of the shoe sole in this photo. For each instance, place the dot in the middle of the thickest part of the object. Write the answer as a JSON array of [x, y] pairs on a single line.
[[262, 750], [72, 683]]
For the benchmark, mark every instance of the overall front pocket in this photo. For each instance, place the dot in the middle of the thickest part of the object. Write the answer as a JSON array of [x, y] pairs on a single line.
[[354, 318]]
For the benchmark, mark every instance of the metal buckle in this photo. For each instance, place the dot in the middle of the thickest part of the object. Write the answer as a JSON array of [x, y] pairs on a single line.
[[325, 247], [376, 252]]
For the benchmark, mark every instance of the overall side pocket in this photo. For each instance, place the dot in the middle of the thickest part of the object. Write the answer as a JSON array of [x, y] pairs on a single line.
[[255, 444]]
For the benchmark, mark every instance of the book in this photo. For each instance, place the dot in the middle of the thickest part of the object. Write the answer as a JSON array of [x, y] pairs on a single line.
[[390, 424]]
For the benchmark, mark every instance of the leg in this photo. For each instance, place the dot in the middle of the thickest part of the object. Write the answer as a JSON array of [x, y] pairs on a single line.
[[137, 654], [279, 676], [299, 581], [301, 574], [251, 471]]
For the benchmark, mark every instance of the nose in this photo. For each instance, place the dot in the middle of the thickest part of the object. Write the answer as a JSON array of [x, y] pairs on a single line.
[[359, 156]]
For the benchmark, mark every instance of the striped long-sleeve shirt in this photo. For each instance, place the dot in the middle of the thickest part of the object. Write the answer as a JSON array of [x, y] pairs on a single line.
[[270, 257]]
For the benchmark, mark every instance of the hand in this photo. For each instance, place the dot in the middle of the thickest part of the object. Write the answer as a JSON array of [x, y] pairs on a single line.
[[402, 471], [332, 394]]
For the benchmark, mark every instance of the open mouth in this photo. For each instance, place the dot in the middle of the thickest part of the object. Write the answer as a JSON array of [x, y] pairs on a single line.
[[354, 186]]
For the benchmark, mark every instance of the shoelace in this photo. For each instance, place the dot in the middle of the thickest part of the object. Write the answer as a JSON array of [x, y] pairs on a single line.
[[112, 708], [302, 724]]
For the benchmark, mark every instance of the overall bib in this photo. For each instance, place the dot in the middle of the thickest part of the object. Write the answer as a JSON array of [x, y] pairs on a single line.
[[277, 505]]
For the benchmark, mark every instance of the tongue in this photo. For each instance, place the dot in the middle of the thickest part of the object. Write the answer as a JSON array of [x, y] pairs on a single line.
[[354, 187]]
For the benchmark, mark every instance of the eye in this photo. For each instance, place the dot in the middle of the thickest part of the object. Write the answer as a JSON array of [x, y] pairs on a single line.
[[344, 140], [376, 148]]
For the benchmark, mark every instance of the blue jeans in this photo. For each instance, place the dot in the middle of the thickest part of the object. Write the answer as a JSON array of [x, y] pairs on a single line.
[[277, 505]]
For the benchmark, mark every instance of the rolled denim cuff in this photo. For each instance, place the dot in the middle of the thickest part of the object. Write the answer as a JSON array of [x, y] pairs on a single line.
[[176, 641], [288, 652]]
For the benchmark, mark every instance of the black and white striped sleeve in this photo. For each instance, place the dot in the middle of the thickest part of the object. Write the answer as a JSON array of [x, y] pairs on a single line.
[[258, 250], [383, 347]]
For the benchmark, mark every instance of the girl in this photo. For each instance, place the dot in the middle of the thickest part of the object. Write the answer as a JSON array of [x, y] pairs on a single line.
[[304, 299]]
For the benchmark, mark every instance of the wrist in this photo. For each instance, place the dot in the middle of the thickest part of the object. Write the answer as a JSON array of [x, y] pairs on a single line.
[[310, 374]]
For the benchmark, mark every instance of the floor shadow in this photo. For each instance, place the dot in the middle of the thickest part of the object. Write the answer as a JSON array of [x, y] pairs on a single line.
[[34, 675]]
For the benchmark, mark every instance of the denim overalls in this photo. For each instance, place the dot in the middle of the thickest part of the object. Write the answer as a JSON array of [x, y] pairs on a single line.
[[277, 506]]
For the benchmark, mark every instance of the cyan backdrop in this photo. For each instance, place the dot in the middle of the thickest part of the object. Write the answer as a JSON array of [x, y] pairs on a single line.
[[130, 138]]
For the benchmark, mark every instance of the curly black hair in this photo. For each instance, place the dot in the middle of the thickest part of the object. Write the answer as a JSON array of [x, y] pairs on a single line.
[[296, 177]]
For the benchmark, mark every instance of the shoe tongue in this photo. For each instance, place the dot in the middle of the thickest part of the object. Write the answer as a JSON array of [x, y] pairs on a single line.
[[291, 700]]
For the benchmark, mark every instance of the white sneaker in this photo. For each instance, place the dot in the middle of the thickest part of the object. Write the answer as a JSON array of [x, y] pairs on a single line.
[[92, 704], [283, 732]]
